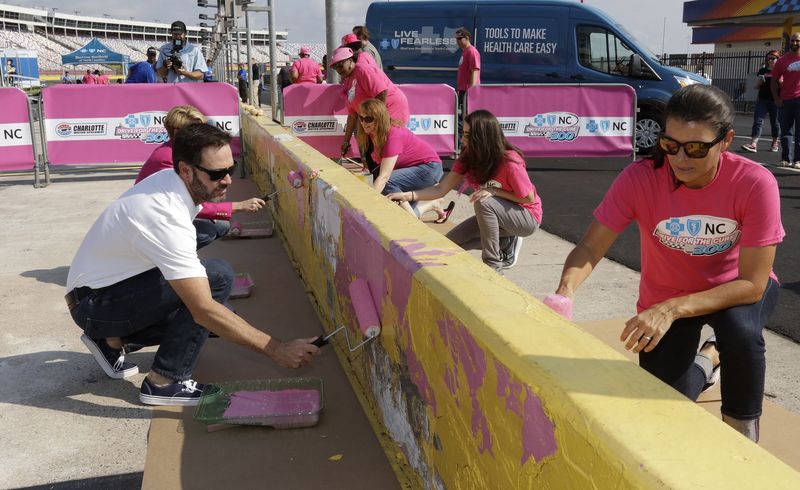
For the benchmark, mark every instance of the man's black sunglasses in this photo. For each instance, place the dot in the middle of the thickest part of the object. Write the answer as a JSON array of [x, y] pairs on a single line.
[[693, 149], [215, 175]]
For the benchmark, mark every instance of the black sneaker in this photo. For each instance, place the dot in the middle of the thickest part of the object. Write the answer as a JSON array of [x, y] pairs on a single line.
[[111, 360], [184, 393], [511, 255]]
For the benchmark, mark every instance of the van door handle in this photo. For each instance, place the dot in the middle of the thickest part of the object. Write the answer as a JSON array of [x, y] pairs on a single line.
[[552, 74], [578, 77]]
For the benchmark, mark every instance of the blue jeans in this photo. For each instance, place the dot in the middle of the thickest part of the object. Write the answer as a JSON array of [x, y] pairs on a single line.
[[209, 230], [144, 310], [741, 352], [790, 117], [763, 107], [413, 179]]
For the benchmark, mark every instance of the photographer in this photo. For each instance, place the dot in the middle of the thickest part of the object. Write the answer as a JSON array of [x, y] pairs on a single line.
[[179, 60]]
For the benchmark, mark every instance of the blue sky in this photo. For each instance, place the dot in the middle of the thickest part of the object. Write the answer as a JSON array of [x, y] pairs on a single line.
[[305, 19]]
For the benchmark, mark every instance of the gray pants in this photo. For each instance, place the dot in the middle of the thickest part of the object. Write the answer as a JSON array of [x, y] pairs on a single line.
[[494, 218]]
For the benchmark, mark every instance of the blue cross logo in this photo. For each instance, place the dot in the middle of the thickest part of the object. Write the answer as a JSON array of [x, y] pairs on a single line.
[[675, 226], [538, 120], [131, 120], [413, 124], [591, 126]]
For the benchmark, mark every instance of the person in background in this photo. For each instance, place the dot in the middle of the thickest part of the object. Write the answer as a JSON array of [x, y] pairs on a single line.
[[213, 221], [362, 33], [137, 279], [241, 76], [102, 78], [405, 162], [180, 61], [365, 81], [255, 85], [144, 71], [351, 41], [785, 87], [507, 206], [10, 72], [324, 67], [469, 66], [765, 105], [709, 224], [67, 78], [305, 70], [88, 78]]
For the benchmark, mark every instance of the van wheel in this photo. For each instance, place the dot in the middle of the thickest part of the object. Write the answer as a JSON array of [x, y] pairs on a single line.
[[648, 128]]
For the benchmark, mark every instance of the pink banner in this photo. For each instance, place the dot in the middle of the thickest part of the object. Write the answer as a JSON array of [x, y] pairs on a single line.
[[16, 142], [562, 120], [317, 114], [90, 124]]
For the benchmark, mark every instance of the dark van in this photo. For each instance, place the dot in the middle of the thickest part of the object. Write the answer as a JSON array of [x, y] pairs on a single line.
[[524, 41]]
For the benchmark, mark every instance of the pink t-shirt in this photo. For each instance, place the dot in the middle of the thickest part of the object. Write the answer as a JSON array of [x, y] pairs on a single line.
[[367, 81], [788, 67], [364, 58], [161, 159], [512, 177], [470, 60], [410, 149], [102, 80], [308, 71], [691, 237], [89, 80]]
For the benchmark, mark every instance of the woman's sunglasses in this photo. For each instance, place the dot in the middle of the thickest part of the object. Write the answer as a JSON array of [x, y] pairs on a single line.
[[215, 175], [693, 149], [366, 119]]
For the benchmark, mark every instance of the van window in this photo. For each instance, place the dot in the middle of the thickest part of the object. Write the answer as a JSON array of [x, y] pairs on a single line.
[[601, 50]]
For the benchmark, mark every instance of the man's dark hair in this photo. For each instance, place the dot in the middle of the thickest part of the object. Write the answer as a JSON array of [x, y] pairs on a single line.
[[191, 140], [463, 32], [361, 32]]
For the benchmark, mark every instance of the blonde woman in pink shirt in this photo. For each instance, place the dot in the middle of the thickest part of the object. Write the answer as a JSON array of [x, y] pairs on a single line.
[[709, 224]]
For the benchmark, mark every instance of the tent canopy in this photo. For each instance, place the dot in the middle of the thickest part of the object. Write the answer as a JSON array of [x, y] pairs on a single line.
[[94, 52]]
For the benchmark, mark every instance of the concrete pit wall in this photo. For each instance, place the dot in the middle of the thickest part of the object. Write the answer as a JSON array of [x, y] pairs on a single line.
[[472, 382]]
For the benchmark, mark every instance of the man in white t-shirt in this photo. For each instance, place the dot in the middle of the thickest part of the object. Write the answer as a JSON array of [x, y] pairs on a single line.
[[180, 61], [137, 280]]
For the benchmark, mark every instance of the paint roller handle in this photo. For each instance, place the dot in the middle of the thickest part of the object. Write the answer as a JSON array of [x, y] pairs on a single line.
[[320, 341], [293, 353]]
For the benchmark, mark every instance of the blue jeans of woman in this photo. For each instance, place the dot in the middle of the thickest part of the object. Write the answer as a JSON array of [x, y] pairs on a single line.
[[764, 107], [740, 343], [414, 178], [145, 310], [209, 230]]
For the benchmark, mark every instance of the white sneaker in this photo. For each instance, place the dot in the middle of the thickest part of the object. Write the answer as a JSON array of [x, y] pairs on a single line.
[[512, 255]]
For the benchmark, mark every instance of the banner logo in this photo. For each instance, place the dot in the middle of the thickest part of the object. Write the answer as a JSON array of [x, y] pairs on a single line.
[[554, 126], [147, 127], [66, 129], [698, 235], [322, 126]]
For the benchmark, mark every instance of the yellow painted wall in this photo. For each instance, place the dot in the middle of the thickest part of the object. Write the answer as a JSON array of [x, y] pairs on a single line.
[[473, 383]]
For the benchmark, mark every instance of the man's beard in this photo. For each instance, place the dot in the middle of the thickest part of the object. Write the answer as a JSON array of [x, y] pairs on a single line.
[[199, 191]]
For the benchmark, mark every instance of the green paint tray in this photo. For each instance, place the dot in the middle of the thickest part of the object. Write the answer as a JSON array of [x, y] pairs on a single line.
[[282, 403]]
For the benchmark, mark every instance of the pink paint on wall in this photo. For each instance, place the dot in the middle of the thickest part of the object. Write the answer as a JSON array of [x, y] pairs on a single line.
[[508, 389], [538, 431]]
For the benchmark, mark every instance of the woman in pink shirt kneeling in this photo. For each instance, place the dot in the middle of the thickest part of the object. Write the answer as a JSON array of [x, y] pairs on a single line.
[[709, 224], [507, 206], [404, 161]]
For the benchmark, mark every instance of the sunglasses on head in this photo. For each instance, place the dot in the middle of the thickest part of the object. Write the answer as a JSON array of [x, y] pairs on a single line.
[[366, 119], [693, 149], [215, 175]]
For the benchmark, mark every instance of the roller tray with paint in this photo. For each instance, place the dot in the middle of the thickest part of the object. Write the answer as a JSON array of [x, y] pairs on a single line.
[[282, 403]]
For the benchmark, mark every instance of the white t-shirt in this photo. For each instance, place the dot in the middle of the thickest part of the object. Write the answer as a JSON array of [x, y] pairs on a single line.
[[149, 226], [192, 59]]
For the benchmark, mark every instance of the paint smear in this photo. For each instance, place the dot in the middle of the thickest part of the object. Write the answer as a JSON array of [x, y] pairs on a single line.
[[538, 432]]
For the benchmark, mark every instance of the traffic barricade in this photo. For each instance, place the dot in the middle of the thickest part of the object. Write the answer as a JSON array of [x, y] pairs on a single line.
[[578, 120]]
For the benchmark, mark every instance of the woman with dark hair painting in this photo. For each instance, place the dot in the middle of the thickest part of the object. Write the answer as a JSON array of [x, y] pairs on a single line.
[[507, 206], [709, 223]]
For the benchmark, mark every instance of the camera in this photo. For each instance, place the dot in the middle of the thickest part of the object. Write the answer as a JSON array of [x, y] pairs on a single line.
[[177, 64]]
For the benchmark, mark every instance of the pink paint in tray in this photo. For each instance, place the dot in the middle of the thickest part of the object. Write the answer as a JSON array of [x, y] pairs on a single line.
[[271, 403]]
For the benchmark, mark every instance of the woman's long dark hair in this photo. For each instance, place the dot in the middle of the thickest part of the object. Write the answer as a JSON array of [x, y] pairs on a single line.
[[698, 103], [486, 146]]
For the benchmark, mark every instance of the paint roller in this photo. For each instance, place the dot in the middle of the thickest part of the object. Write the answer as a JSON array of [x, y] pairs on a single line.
[[368, 321], [295, 180]]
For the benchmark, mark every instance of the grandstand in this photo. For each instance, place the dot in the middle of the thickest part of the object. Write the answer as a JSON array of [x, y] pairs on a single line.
[[52, 34]]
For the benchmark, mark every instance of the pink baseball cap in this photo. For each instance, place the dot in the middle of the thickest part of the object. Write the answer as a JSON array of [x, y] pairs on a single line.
[[305, 50], [349, 38], [340, 54]]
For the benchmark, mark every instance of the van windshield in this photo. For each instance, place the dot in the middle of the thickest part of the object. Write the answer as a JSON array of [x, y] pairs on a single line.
[[631, 38]]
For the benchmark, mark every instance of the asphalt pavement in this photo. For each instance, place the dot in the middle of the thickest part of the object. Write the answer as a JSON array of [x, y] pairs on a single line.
[[572, 188]]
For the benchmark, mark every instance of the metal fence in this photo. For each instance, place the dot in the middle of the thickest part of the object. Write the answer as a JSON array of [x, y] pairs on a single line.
[[732, 72]]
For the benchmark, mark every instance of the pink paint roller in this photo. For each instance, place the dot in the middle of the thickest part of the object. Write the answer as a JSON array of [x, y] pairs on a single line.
[[368, 321], [560, 304], [295, 179]]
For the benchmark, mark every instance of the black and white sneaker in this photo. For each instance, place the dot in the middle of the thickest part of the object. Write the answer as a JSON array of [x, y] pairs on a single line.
[[111, 360], [181, 393], [511, 254]]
